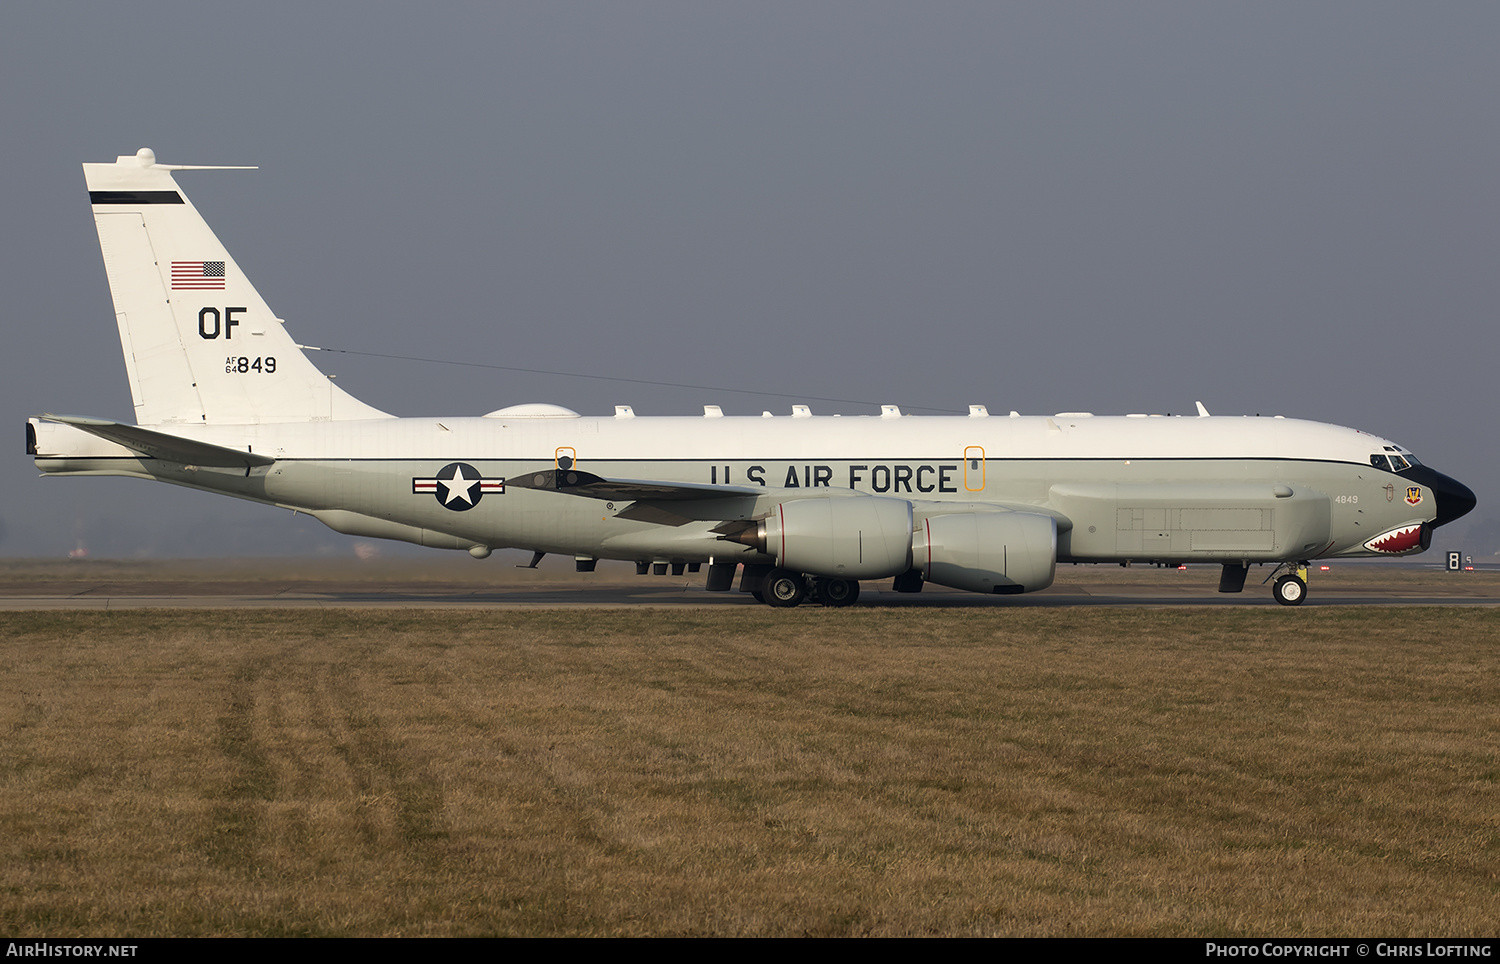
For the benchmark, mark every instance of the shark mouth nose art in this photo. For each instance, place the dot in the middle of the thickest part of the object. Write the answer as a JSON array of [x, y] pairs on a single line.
[[1403, 539]]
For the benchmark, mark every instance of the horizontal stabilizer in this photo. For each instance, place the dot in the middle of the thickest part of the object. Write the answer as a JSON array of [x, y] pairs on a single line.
[[159, 445]]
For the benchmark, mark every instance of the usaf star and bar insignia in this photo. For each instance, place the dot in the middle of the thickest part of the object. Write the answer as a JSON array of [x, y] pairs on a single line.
[[458, 486]]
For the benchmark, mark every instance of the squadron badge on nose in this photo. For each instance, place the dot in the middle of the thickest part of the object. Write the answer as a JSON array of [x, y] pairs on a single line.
[[458, 486]]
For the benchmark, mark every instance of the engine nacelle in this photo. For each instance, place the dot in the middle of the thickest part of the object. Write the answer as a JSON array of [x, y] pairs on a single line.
[[991, 552], [860, 537]]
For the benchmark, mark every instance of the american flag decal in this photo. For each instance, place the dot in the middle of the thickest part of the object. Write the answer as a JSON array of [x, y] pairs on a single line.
[[197, 276]]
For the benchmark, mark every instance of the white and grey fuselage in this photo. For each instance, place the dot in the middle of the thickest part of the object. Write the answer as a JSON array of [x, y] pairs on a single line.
[[227, 402]]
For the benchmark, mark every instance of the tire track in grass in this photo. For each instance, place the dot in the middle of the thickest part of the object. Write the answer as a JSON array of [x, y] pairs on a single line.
[[400, 803], [237, 820]]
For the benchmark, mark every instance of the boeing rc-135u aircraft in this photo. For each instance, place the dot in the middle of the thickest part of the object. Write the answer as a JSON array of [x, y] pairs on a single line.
[[226, 401]]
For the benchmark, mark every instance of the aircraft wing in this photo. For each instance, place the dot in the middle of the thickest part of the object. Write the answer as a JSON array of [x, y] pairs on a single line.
[[678, 503], [574, 482], [160, 445], [660, 503]]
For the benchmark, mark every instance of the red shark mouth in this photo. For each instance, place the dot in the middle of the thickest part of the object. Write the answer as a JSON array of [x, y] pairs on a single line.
[[1397, 541]]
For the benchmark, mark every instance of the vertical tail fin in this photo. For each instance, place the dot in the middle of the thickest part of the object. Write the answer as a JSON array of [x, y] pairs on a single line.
[[200, 345]]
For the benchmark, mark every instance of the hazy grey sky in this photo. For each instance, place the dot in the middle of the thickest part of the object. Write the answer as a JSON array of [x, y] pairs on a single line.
[[1274, 207]]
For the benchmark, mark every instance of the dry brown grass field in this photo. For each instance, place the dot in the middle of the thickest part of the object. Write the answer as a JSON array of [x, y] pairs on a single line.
[[744, 770]]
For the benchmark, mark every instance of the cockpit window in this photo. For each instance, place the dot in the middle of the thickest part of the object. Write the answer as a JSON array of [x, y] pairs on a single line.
[[1395, 462]]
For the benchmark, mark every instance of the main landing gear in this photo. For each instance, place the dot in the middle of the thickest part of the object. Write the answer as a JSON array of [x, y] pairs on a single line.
[[836, 592], [783, 589]]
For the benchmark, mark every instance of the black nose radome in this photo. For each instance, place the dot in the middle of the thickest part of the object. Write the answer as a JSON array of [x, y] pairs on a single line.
[[1454, 499]]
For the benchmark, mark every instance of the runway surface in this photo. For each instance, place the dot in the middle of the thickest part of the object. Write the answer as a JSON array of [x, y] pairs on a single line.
[[441, 582], [667, 592]]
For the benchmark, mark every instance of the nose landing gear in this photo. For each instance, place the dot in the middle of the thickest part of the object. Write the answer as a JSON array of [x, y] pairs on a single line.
[[1290, 587]]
